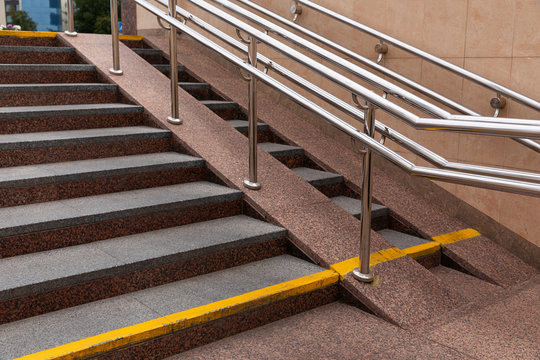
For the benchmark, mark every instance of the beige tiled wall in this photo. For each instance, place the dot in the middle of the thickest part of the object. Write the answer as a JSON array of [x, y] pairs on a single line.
[[498, 39]]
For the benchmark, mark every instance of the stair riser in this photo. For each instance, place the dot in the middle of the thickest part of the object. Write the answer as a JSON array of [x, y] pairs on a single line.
[[182, 76], [47, 77], [267, 136], [203, 94], [19, 57], [134, 44], [96, 186], [83, 152], [100, 230], [228, 113], [59, 98], [142, 278], [60, 123], [430, 261], [29, 41], [192, 337], [154, 59]]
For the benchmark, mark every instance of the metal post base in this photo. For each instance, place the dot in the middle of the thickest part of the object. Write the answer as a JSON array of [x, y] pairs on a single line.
[[116, 72], [358, 275], [174, 121], [252, 185], [70, 33]]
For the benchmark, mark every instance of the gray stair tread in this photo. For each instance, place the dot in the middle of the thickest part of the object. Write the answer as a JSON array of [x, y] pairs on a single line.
[[144, 51], [71, 212], [64, 326], [48, 49], [47, 67], [63, 110], [32, 175], [402, 240], [318, 177], [167, 67], [10, 88], [354, 207], [48, 270], [242, 125], [220, 104], [76, 137], [281, 150], [193, 85]]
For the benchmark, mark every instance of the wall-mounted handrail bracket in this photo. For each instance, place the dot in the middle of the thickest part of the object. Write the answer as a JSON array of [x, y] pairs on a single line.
[[296, 9], [497, 103], [381, 48], [161, 25]]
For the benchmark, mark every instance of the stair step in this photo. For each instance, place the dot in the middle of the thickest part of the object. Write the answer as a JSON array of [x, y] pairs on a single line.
[[199, 90], [57, 94], [14, 40], [153, 56], [44, 147], [225, 109], [19, 119], [318, 177], [153, 258], [282, 150], [54, 181], [470, 287], [72, 324], [190, 86], [402, 240], [49, 225], [354, 207], [242, 126], [38, 55], [47, 73], [166, 68]]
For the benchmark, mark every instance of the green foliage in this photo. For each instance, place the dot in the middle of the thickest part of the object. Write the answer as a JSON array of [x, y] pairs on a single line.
[[93, 16], [20, 17]]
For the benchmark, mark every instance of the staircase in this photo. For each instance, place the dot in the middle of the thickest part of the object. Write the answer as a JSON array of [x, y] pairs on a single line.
[[118, 241], [107, 222]]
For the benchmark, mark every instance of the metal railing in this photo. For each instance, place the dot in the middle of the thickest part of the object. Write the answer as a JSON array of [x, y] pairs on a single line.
[[500, 179]]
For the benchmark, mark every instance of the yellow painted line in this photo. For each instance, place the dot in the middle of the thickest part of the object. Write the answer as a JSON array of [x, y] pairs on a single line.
[[116, 339], [455, 236], [345, 267], [422, 250], [26, 34], [130, 37]]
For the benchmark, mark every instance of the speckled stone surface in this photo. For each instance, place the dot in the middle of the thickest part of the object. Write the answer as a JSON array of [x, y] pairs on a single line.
[[19, 75], [67, 236], [30, 41], [320, 228], [129, 17], [52, 94], [334, 331], [199, 335], [138, 279], [38, 55], [488, 261]]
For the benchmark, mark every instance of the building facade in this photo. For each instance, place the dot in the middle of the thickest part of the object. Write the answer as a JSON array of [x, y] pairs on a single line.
[[49, 15]]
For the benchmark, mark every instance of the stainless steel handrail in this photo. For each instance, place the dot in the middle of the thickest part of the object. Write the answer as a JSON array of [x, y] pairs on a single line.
[[71, 22], [367, 139], [376, 66], [115, 70], [466, 124], [370, 78], [497, 88], [348, 109]]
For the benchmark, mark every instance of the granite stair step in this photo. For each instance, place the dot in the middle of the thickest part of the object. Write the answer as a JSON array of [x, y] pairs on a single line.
[[57, 94], [11, 54], [471, 288], [70, 145], [14, 40], [228, 110], [47, 73], [84, 273], [153, 56], [55, 181], [81, 322], [199, 90], [379, 213], [21, 119], [166, 69], [326, 182], [49, 225], [242, 126], [402, 240]]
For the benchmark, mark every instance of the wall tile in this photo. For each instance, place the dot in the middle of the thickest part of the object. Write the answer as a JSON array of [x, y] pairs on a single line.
[[527, 28], [444, 27]]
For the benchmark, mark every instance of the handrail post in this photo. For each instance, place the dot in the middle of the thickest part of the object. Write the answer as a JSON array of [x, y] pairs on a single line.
[[174, 118], [363, 273], [71, 22], [252, 182], [115, 70]]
